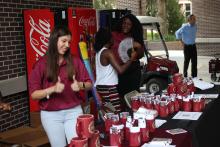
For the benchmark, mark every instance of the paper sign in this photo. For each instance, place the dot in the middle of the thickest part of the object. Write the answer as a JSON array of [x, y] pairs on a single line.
[[202, 84], [187, 115], [159, 122], [209, 96]]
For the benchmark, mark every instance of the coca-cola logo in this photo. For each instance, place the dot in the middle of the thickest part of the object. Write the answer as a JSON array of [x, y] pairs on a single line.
[[83, 21], [39, 36]]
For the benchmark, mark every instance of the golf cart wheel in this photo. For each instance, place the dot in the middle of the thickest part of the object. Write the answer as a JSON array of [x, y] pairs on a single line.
[[213, 77], [155, 85]]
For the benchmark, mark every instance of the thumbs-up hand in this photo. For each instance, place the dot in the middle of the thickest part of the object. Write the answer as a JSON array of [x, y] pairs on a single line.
[[75, 85], [59, 87]]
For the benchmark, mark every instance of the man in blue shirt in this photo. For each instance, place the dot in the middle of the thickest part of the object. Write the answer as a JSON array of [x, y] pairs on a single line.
[[187, 35]]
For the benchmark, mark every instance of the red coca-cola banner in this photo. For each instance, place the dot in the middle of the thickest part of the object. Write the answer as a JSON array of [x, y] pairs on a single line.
[[37, 27], [82, 22]]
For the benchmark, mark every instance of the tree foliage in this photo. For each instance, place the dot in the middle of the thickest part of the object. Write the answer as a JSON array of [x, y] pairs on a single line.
[[151, 8], [174, 16], [104, 4]]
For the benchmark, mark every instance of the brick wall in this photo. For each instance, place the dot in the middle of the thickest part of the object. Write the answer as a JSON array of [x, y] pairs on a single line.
[[208, 21], [12, 52], [130, 5], [19, 116]]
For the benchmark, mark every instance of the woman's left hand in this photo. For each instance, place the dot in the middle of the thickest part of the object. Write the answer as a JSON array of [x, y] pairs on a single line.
[[75, 85]]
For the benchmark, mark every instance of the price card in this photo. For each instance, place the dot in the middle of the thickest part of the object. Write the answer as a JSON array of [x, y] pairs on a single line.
[[176, 131]]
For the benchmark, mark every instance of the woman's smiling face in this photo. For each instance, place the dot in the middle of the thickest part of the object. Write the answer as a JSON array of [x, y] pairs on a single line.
[[63, 44], [126, 26]]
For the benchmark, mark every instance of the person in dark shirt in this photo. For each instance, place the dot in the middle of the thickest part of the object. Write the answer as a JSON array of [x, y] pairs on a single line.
[[128, 34], [207, 129]]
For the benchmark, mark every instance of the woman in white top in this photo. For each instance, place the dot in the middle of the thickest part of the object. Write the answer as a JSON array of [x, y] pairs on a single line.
[[107, 68]]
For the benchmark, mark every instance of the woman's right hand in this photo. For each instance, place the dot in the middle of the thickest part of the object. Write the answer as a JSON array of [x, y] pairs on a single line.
[[40, 94], [75, 85], [59, 87]]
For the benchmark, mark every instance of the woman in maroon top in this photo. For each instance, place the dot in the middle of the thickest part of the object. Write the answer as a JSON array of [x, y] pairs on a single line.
[[55, 81], [129, 29]]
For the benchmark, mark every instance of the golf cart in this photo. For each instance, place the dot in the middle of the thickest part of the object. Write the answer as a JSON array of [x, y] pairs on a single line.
[[157, 69]]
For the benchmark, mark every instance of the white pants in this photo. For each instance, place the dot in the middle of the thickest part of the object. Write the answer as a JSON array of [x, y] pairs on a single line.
[[60, 126]]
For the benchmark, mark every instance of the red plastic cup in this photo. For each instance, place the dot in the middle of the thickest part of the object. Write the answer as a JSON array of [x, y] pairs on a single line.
[[180, 101], [171, 89], [94, 141], [123, 117], [156, 105], [144, 135], [85, 125], [135, 104], [115, 137], [150, 122], [148, 103], [164, 111], [176, 106], [177, 78], [135, 137], [187, 105], [121, 129], [127, 133], [171, 107], [108, 121], [196, 104], [181, 89], [142, 101], [78, 142]]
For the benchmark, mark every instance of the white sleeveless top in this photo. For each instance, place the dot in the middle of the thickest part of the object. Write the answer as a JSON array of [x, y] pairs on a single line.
[[105, 75]]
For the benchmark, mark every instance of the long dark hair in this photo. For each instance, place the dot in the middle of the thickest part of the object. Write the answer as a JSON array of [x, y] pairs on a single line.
[[102, 37], [53, 55], [136, 30]]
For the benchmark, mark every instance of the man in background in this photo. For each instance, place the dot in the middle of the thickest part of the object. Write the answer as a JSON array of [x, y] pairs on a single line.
[[187, 35]]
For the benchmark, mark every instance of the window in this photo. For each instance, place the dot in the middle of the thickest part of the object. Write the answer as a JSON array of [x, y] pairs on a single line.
[[187, 9]]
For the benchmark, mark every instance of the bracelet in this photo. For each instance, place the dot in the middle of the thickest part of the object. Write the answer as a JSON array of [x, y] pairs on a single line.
[[48, 95]]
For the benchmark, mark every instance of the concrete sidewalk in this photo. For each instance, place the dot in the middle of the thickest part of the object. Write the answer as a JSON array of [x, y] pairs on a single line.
[[203, 63]]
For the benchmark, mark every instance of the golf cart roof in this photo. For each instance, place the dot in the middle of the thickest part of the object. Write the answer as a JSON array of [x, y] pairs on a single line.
[[149, 19]]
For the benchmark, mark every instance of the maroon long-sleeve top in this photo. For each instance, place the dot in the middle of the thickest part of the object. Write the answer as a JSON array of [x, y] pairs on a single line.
[[58, 101]]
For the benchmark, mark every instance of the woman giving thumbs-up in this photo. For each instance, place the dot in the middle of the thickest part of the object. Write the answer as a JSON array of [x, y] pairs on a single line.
[[55, 81]]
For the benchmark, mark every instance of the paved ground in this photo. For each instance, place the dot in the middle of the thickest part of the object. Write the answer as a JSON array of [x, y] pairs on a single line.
[[203, 63], [203, 68]]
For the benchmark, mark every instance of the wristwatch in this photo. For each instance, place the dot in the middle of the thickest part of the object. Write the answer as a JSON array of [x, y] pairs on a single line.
[[83, 84]]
